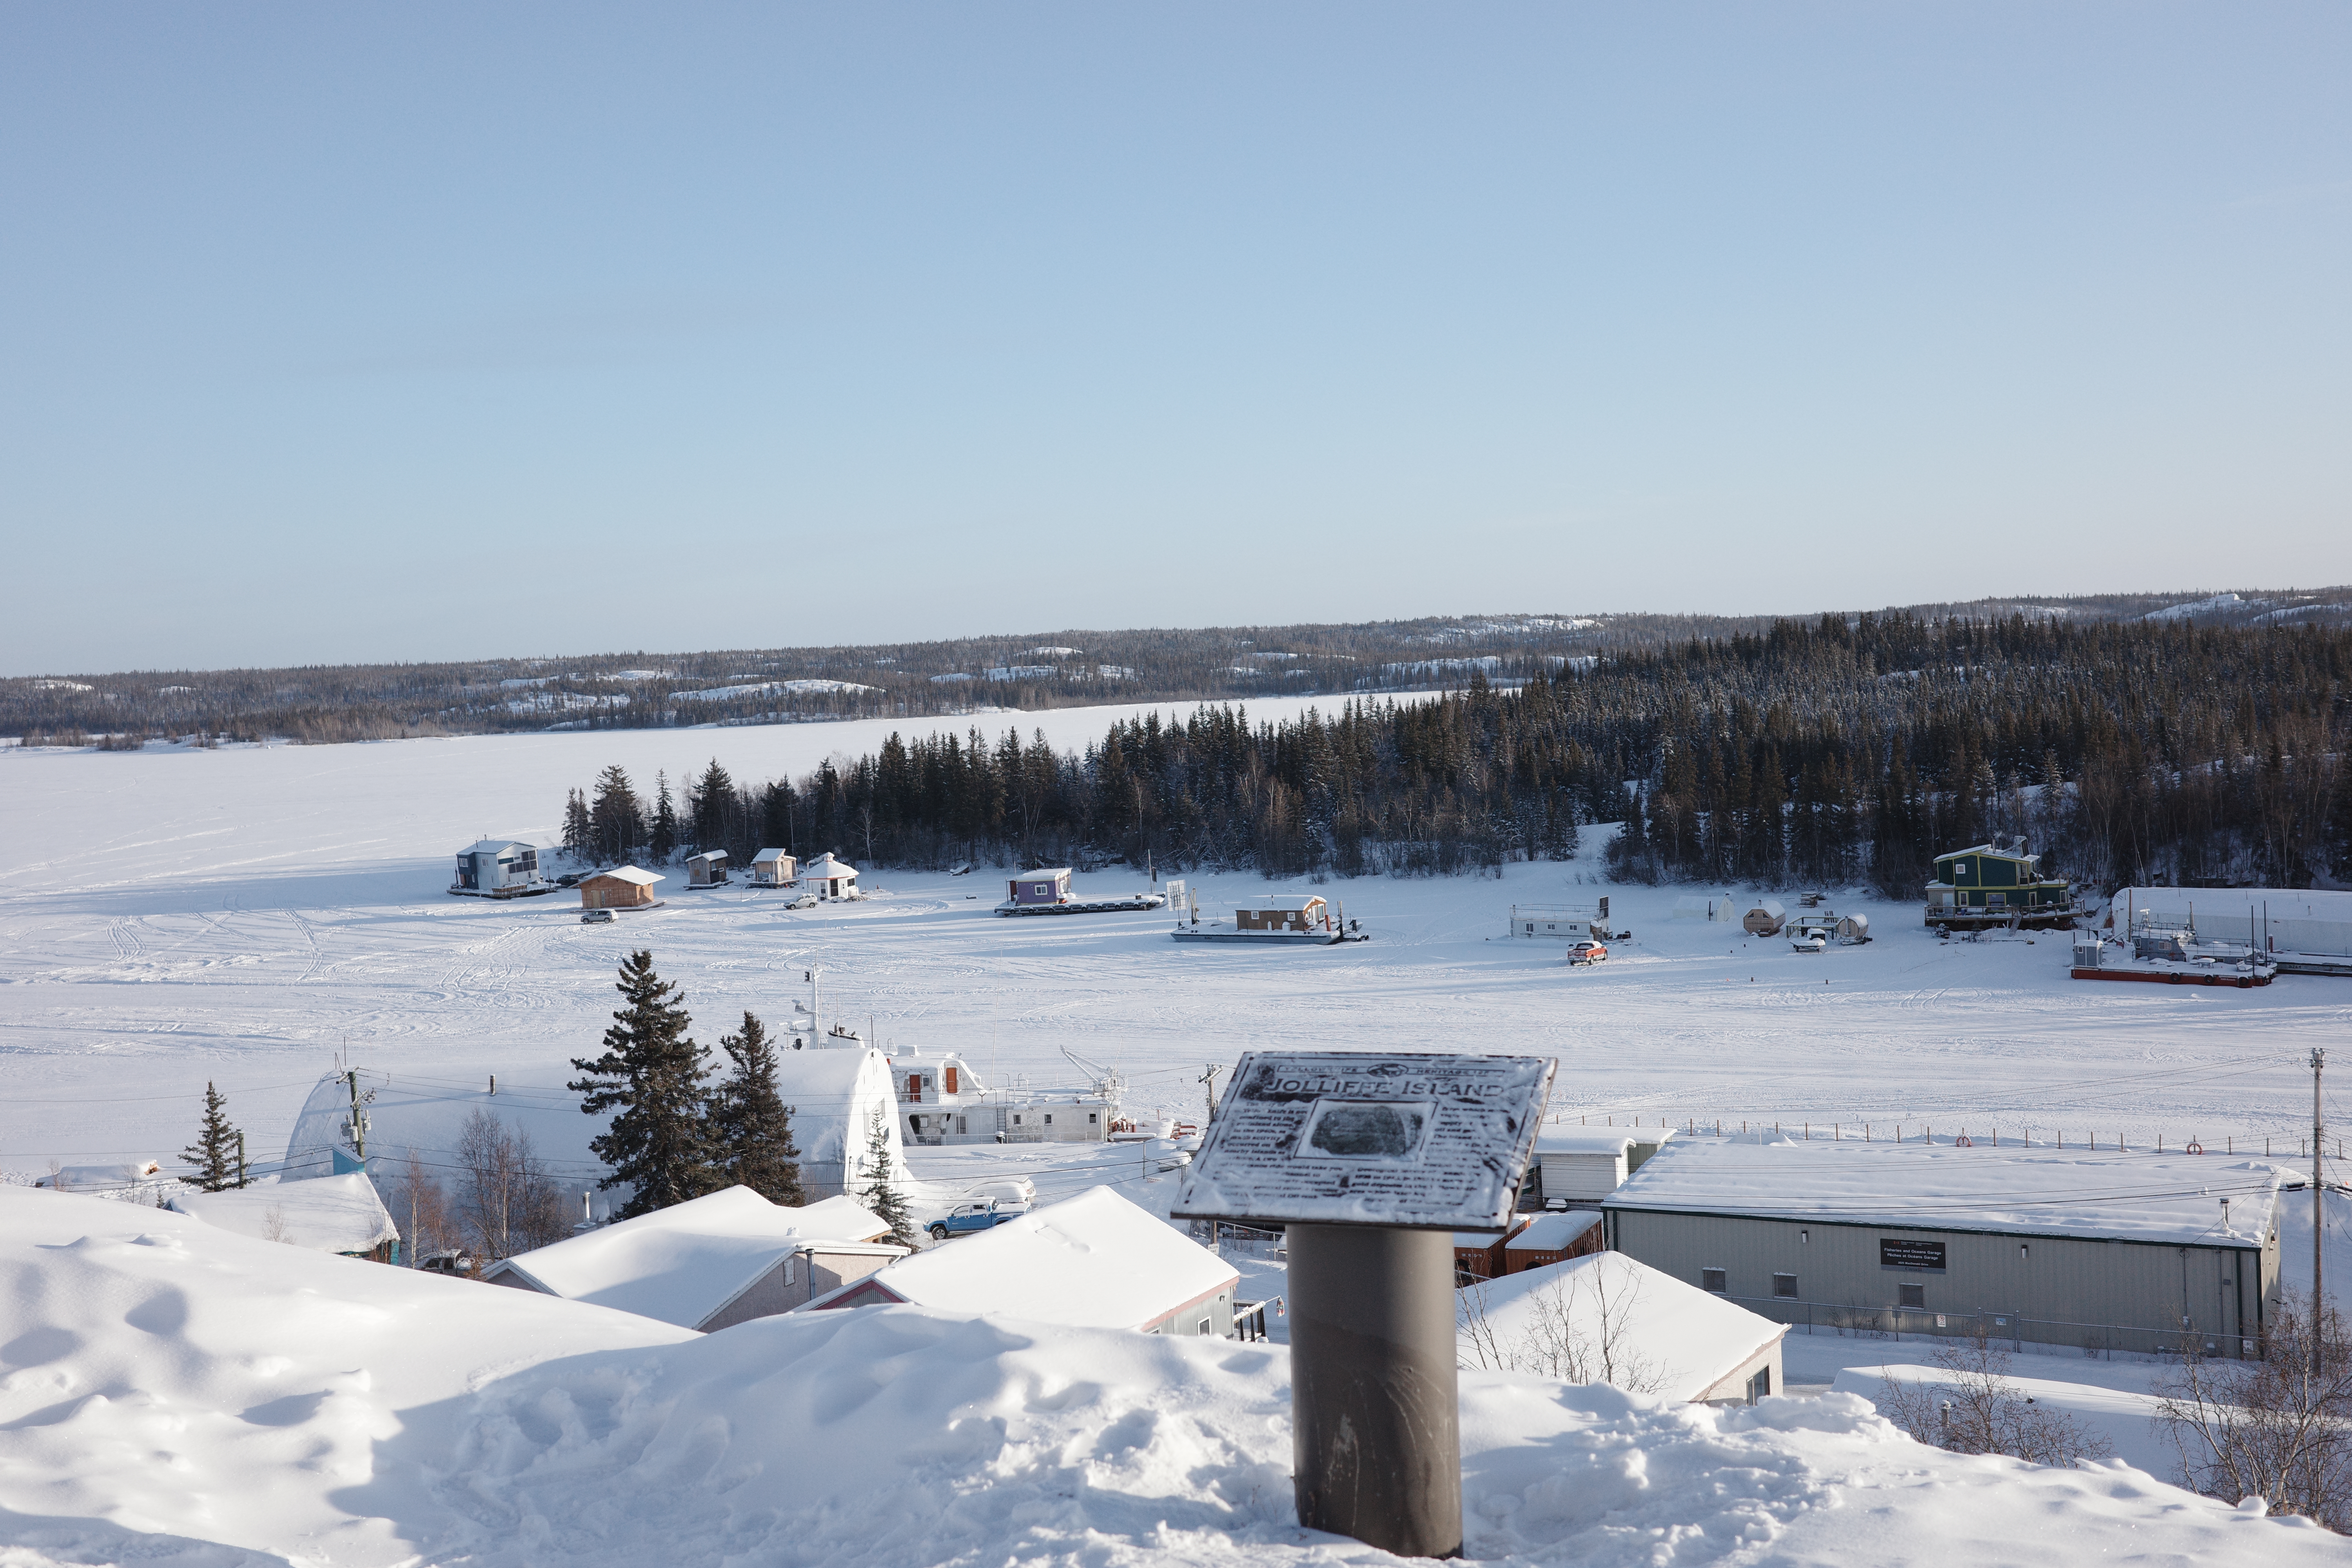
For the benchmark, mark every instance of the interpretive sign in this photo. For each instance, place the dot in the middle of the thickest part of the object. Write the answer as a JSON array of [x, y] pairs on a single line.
[[1912, 1256], [1413, 1143]]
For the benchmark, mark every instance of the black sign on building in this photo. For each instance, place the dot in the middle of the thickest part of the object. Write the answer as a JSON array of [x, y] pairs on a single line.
[[1911, 1257]]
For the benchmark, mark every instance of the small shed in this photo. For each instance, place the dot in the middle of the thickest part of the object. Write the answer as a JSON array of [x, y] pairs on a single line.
[[1094, 1261], [625, 888], [1296, 912], [1582, 1165], [1853, 930], [709, 1263], [1478, 1255], [332, 1214], [708, 870], [1764, 917], [828, 876], [1661, 1335], [1553, 1237], [1049, 885], [773, 868]]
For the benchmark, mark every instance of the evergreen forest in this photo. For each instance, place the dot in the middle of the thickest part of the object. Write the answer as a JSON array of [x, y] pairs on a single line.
[[1846, 751]]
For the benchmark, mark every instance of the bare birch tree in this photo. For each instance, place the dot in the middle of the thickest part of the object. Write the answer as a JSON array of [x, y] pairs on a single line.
[[1577, 1327], [1972, 1407], [2279, 1428]]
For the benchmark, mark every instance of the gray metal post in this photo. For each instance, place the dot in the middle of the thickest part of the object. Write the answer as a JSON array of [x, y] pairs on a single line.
[[1377, 1424]]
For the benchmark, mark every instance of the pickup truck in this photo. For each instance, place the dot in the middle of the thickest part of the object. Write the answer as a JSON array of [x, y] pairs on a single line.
[[965, 1218]]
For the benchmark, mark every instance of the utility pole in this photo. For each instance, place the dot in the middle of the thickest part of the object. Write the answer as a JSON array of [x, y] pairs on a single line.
[[2318, 1218], [359, 1121], [1209, 1076]]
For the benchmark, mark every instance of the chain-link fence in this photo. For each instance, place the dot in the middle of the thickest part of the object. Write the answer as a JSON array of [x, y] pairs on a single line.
[[2097, 1339]]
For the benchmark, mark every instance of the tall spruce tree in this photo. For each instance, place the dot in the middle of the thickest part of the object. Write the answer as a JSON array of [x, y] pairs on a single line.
[[752, 1127], [618, 822], [214, 1153], [882, 1195], [578, 835], [664, 841], [652, 1078]]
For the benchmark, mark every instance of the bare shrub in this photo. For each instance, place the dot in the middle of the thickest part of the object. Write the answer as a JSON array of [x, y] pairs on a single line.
[[420, 1207], [1578, 1327], [2280, 1428], [1974, 1408], [506, 1202]]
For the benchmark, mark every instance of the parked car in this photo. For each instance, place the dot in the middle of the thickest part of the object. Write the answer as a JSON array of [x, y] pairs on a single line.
[[1587, 952], [596, 917], [965, 1218], [569, 880], [1013, 1192]]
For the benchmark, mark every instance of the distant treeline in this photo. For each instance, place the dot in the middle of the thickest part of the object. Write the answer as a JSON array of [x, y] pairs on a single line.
[[1831, 753], [1032, 671]]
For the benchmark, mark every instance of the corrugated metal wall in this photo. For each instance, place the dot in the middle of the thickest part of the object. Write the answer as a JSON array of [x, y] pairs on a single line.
[[2055, 1278]]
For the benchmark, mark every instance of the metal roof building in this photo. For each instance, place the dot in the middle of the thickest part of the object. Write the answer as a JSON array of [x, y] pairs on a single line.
[[2101, 1250]]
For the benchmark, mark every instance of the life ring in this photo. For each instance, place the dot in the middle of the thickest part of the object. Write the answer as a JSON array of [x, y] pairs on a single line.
[[1964, 1142], [2194, 1147]]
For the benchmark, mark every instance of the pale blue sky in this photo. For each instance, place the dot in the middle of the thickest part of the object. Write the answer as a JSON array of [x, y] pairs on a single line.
[[426, 332]]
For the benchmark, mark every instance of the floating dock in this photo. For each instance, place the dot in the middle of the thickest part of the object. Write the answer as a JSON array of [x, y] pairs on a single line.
[[2237, 975], [1086, 906], [1278, 937]]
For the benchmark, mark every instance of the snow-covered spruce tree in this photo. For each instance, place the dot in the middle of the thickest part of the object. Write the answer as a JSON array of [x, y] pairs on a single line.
[[882, 1195], [578, 835], [752, 1127], [664, 842], [214, 1153], [652, 1078]]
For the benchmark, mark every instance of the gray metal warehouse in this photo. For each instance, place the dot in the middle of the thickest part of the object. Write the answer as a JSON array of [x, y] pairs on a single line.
[[2100, 1250]]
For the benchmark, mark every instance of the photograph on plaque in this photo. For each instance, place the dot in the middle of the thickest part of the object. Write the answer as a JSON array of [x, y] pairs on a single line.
[[1420, 1143]]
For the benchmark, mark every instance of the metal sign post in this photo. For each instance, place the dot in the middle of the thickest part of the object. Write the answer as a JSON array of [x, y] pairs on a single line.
[[1370, 1162]]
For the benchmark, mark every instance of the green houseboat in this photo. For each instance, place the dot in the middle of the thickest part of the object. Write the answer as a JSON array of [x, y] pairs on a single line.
[[1987, 886]]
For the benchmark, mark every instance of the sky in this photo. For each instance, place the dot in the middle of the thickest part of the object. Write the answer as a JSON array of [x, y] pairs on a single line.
[[338, 333]]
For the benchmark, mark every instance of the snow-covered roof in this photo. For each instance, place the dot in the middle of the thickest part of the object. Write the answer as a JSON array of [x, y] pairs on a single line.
[[2037, 1191], [682, 1264], [1686, 1338], [1552, 1231], [833, 1091], [1092, 1261], [707, 855], [1284, 902], [332, 1213], [496, 846], [1598, 1140], [770, 856], [1043, 874], [827, 865], [627, 874]]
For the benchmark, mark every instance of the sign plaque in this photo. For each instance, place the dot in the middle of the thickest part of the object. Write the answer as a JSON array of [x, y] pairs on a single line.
[[1409, 1143], [1911, 1257]]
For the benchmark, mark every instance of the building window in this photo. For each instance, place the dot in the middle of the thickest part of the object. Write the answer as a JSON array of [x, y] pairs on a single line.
[[1760, 1386], [1204, 1329], [1997, 899], [1913, 1295], [1785, 1286], [1712, 1279], [1049, 1118], [1093, 1117], [960, 1125]]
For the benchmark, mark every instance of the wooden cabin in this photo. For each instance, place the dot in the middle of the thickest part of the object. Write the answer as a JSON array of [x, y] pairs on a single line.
[[1553, 1237], [708, 870], [1478, 1255], [1300, 913], [773, 868], [625, 888]]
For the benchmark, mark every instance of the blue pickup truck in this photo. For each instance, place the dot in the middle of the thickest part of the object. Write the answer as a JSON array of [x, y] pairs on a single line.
[[965, 1218]]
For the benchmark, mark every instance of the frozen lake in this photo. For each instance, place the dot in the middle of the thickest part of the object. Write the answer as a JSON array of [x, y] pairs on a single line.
[[171, 917]]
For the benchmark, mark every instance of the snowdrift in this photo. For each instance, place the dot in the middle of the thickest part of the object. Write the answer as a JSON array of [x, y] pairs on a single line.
[[174, 1392]]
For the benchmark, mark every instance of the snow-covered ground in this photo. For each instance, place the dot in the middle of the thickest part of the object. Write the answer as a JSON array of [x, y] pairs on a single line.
[[241, 916], [176, 1394]]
